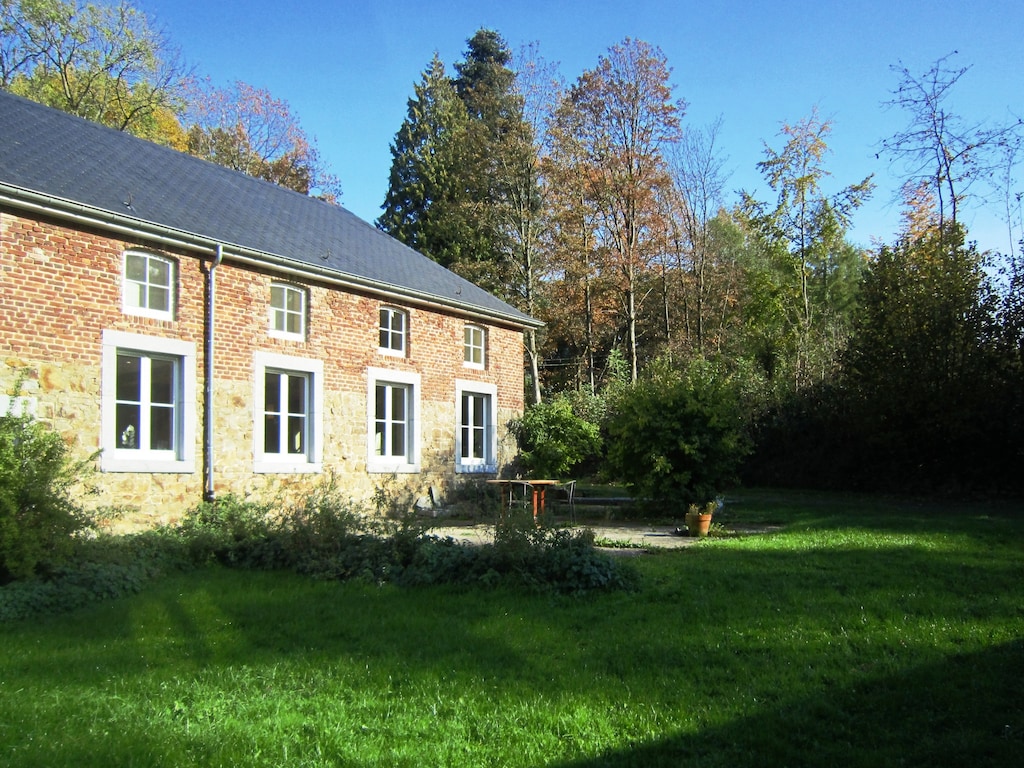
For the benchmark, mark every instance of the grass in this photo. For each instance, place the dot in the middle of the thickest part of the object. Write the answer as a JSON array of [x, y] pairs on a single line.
[[861, 632]]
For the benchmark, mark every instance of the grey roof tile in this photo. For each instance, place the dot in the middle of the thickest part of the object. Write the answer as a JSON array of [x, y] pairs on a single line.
[[68, 159]]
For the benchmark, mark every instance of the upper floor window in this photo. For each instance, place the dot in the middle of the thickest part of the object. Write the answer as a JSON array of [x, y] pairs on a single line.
[[473, 346], [393, 331], [287, 311], [148, 285]]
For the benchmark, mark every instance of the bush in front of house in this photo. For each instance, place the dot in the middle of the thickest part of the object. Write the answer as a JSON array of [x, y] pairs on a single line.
[[325, 536], [677, 437], [553, 440], [38, 516]]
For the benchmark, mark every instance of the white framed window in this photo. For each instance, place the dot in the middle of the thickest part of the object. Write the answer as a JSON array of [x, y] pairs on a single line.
[[288, 421], [287, 311], [474, 346], [393, 434], [476, 438], [148, 285], [147, 404], [394, 331]]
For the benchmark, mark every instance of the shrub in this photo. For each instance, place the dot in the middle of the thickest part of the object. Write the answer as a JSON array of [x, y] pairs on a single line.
[[553, 440], [677, 437], [37, 514]]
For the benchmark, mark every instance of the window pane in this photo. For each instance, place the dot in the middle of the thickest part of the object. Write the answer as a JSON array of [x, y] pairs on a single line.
[[398, 404], [272, 393], [127, 426], [129, 381], [296, 395], [159, 272], [135, 295], [297, 434], [381, 410], [478, 443], [294, 297], [293, 323], [161, 428], [159, 298], [271, 433], [161, 381], [397, 440], [277, 296], [478, 411], [135, 267]]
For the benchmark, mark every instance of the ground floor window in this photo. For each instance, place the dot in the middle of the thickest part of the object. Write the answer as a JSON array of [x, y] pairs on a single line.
[[147, 404], [288, 426], [475, 433], [392, 426]]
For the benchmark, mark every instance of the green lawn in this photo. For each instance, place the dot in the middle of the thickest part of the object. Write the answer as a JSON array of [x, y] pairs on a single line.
[[860, 633]]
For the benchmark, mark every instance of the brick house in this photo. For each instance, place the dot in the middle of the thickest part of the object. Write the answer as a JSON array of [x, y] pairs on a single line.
[[209, 332]]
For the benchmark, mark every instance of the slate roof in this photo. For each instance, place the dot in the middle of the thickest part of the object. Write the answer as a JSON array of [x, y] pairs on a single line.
[[71, 164]]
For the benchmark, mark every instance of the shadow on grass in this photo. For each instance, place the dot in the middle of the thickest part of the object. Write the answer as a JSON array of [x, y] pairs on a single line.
[[965, 711]]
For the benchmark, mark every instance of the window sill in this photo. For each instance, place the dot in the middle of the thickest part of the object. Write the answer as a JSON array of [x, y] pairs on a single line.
[[476, 469], [285, 467], [148, 466]]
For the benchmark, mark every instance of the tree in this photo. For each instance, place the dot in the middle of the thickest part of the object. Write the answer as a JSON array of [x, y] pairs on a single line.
[[677, 437], [248, 130], [618, 120], [105, 63], [939, 148], [697, 185], [421, 207], [537, 87], [805, 229], [921, 365]]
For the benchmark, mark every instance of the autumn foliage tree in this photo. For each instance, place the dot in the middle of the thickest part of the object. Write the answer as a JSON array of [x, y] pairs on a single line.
[[617, 122], [249, 130], [106, 63]]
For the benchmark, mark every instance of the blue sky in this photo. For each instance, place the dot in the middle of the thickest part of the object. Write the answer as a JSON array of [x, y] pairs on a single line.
[[348, 68]]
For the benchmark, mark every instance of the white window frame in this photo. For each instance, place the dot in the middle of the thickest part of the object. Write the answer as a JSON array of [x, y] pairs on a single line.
[[411, 382], [276, 313], [116, 459], [489, 462], [403, 335], [470, 334], [312, 460], [128, 285]]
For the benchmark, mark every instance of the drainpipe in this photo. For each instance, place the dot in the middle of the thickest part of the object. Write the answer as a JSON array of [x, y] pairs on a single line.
[[208, 492]]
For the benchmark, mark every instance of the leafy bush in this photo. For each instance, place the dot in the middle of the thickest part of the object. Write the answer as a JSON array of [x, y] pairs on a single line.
[[100, 568], [37, 514], [677, 437], [553, 440], [324, 536]]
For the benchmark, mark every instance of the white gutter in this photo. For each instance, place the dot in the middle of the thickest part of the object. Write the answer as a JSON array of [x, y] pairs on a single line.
[[68, 210]]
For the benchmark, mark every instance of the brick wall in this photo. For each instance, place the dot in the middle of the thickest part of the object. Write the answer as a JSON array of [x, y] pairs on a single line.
[[61, 290]]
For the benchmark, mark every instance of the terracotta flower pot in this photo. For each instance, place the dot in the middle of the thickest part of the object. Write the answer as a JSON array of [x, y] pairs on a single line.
[[698, 524]]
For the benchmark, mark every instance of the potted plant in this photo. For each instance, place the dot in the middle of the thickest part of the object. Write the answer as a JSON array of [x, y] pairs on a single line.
[[698, 518]]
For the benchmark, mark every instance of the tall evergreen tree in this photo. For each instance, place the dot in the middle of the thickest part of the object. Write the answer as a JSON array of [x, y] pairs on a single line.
[[457, 164], [422, 207]]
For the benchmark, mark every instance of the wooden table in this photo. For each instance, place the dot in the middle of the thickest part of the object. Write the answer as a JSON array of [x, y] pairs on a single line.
[[537, 488]]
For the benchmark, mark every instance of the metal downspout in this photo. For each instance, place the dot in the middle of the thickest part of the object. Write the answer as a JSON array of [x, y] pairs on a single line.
[[208, 492]]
